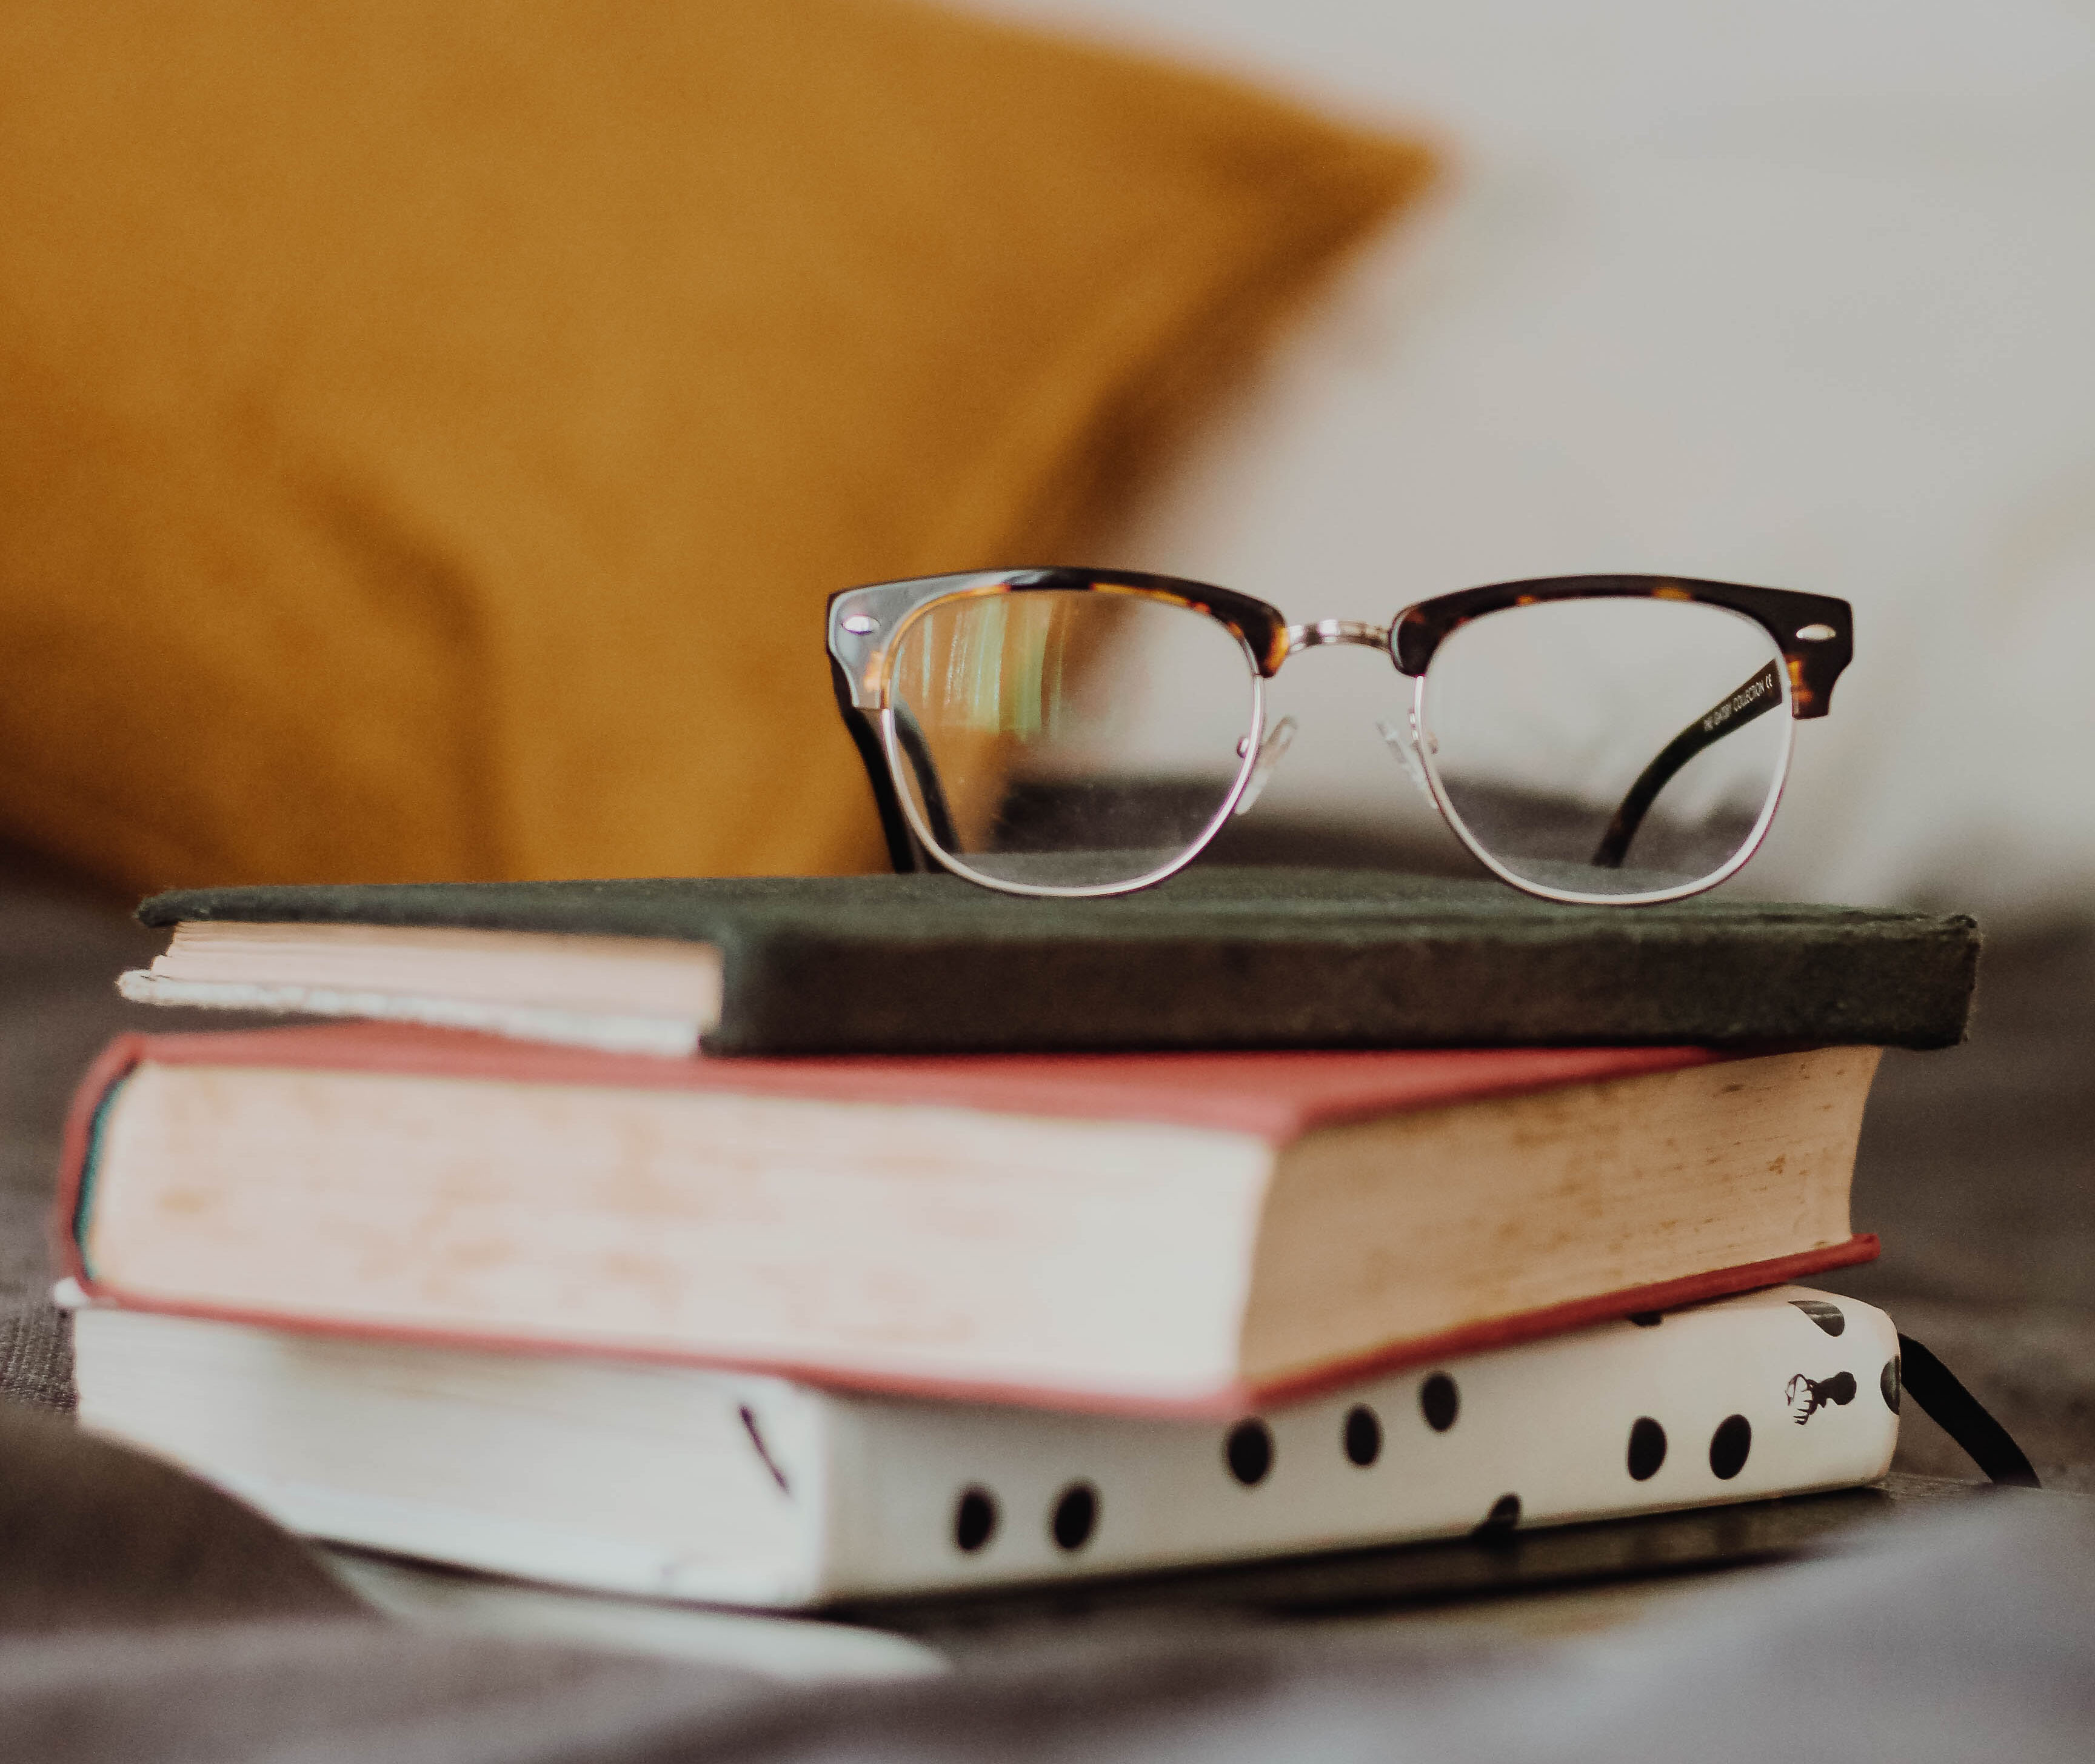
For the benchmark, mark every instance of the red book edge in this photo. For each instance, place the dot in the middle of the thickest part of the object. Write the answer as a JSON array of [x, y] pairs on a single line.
[[1275, 1095], [1225, 1402]]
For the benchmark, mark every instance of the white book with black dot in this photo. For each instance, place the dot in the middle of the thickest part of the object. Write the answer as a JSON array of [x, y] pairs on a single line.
[[687, 1482]]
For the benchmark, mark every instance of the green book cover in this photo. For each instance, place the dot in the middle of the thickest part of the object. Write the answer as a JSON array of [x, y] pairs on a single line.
[[1218, 957]]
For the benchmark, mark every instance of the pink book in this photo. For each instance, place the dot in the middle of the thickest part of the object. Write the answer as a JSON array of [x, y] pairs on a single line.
[[1190, 1233]]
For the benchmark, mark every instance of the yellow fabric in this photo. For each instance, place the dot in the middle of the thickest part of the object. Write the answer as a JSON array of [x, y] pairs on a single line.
[[429, 428]]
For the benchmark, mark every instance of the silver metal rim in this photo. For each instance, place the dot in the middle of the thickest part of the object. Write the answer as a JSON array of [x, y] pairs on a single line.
[[1571, 897], [891, 745], [1324, 631]]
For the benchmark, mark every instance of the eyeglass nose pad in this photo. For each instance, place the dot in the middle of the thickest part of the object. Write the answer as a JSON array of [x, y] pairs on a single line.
[[1270, 751], [1404, 743]]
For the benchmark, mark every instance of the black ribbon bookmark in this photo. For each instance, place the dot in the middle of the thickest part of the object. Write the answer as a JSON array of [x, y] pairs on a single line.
[[1943, 1399]]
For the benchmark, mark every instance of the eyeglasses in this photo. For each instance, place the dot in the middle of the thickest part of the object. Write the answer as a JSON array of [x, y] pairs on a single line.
[[1602, 739]]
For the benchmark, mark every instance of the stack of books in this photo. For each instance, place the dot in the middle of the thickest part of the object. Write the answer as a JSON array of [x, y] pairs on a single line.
[[982, 1240]]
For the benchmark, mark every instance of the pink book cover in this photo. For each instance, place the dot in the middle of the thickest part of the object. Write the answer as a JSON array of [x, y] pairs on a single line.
[[1277, 1096]]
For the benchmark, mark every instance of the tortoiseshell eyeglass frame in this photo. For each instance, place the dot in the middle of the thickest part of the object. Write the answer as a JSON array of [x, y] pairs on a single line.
[[1815, 634]]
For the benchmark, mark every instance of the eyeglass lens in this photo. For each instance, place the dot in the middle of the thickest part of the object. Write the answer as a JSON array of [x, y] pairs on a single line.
[[1608, 747], [1063, 739]]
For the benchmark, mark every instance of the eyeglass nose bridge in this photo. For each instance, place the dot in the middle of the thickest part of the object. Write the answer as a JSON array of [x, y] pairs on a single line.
[[1324, 631]]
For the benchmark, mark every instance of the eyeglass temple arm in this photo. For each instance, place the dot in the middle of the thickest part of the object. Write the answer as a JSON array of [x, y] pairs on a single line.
[[911, 734], [1757, 696], [904, 853]]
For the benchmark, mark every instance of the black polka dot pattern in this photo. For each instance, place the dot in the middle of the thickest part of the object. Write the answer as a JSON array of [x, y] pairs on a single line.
[[1441, 1401], [1729, 1445], [1828, 1317], [1647, 1319], [974, 1519], [1363, 1435], [1503, 1516], [1248, 1452], [1646, 1448], [1888, 1383], [1076, 1516]]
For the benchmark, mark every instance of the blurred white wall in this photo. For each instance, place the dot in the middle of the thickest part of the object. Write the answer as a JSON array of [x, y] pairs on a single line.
[[1793, 292]]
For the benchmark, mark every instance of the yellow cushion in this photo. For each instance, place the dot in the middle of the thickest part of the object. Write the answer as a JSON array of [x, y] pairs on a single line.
[[429, 428]]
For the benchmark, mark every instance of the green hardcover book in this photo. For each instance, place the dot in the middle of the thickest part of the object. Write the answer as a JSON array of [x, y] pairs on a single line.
[[1216, 958]]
